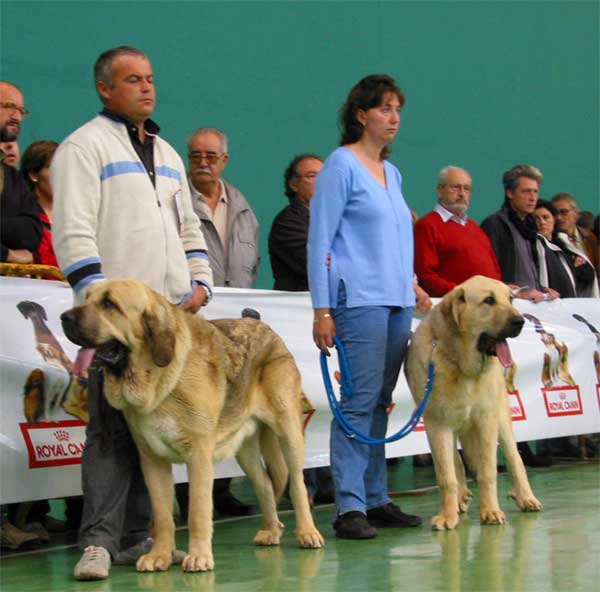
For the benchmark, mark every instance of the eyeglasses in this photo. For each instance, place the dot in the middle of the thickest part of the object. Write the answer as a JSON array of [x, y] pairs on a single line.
[[458, 187], [12, 108], [210, 157], [306, 176], [564, 211]]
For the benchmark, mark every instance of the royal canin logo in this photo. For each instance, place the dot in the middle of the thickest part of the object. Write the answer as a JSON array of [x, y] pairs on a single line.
[[52, 444], [62, 435], [562, 400]]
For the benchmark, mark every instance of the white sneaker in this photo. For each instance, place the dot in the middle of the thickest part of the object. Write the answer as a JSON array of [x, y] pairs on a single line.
[[93, 565]]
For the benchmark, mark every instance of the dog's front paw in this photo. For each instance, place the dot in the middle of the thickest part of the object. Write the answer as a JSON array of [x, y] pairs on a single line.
[[526, 503], [267, 538], [198, 562], [464, 499], [154, 561], [491, 516], [312, 539], [444, 521]]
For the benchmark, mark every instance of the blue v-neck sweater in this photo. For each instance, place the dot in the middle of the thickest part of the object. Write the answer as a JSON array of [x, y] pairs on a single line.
[[360, 233]]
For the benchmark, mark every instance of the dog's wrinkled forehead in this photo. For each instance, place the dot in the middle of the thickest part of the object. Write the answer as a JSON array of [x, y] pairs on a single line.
[[126, 293], [479, 289]]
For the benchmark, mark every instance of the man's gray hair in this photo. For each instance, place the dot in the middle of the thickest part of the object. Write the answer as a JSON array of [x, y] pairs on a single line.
[[103, 65], [209, 130], [443, 174], [510, 179], [568, 198]]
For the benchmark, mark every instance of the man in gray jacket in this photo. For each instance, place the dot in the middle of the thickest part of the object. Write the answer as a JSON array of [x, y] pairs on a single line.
[[228, 222], [230, 229]]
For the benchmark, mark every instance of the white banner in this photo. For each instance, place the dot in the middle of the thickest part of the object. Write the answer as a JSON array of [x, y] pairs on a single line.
[[554, 390]]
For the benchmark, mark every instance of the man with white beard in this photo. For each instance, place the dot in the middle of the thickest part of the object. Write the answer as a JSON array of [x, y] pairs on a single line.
[[450, 247]]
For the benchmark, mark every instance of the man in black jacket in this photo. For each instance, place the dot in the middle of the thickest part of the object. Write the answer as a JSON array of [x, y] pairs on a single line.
[[289, 232], [20, 227], [512, 232], [287, 250]]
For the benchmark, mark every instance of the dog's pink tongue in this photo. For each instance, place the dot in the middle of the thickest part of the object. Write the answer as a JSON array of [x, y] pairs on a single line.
[[503, 353], [83, 361]]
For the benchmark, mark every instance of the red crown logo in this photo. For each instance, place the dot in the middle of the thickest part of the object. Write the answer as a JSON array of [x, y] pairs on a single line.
[[62, 435], [562, 395]]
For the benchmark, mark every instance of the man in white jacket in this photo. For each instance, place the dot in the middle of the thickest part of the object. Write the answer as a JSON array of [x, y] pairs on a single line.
[[122, 210]]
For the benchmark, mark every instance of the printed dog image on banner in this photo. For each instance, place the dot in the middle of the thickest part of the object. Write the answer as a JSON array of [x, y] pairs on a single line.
[[561, 392], [517, 409], [596, 354], [41, 396]]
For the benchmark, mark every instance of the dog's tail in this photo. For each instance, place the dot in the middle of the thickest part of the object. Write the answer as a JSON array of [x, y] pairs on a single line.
[[270, 450]]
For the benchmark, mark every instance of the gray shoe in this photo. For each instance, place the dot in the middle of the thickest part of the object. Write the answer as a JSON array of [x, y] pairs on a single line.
[[132, 554], [93, 565], [37, 529], [13, 538]]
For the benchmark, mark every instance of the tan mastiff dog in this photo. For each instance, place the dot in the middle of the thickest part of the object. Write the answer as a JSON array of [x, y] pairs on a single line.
[[194, 392], [465, 337]]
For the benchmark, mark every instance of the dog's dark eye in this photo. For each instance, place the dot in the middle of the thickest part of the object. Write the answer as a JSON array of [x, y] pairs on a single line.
[[490, 300], [107, 303]]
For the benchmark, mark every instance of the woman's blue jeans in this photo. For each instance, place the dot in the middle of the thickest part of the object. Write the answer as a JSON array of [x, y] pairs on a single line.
[[375, 340]]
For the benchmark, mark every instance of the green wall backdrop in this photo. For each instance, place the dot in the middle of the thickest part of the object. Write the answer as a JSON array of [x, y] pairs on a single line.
[[488, 83]]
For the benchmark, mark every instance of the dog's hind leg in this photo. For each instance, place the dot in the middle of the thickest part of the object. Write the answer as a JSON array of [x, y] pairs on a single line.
[[248, 457], [292, 446], [521, 491], [280, 382], [159, 480]]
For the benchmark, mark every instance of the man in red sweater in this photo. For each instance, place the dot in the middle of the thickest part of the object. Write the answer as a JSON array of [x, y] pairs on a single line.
[[449, 247]]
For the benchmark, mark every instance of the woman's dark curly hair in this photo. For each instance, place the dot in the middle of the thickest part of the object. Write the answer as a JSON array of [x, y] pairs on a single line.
[[368, 93]]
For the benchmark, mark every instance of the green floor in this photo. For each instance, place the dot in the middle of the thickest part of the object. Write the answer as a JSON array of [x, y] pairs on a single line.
[[556, 550]]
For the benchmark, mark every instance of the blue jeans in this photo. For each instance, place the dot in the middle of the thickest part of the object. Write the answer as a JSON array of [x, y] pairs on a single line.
[[375, 340]]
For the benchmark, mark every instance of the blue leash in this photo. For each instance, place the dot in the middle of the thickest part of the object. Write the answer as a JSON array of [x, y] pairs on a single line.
[[348, 389]]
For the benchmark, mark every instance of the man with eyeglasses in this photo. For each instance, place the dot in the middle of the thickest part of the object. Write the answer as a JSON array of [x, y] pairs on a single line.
[[20, 226], [289, 232], [228, 222], [230, 229], [122, 209], [449, 246], [582, 239]]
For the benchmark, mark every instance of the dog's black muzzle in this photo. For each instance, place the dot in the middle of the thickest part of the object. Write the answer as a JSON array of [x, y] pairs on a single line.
[[70, 324]]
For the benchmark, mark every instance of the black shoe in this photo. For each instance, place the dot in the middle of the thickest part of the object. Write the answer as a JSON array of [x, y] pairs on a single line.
[[353, 525], [227, 505], [391, 516], [324, 497], [530, 459], [422, 460]]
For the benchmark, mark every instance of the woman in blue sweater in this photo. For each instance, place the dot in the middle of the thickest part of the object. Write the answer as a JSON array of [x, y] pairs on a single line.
[[360, 265]]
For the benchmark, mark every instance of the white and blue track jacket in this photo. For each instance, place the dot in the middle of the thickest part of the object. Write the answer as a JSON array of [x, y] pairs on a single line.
[[109, 221]]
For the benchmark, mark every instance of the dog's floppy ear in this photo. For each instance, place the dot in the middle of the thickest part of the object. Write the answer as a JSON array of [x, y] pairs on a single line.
[[159, 328], [450, 305]]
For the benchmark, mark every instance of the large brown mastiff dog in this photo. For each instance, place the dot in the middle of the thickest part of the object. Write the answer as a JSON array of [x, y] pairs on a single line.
[[196, 391], [465, 337]]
